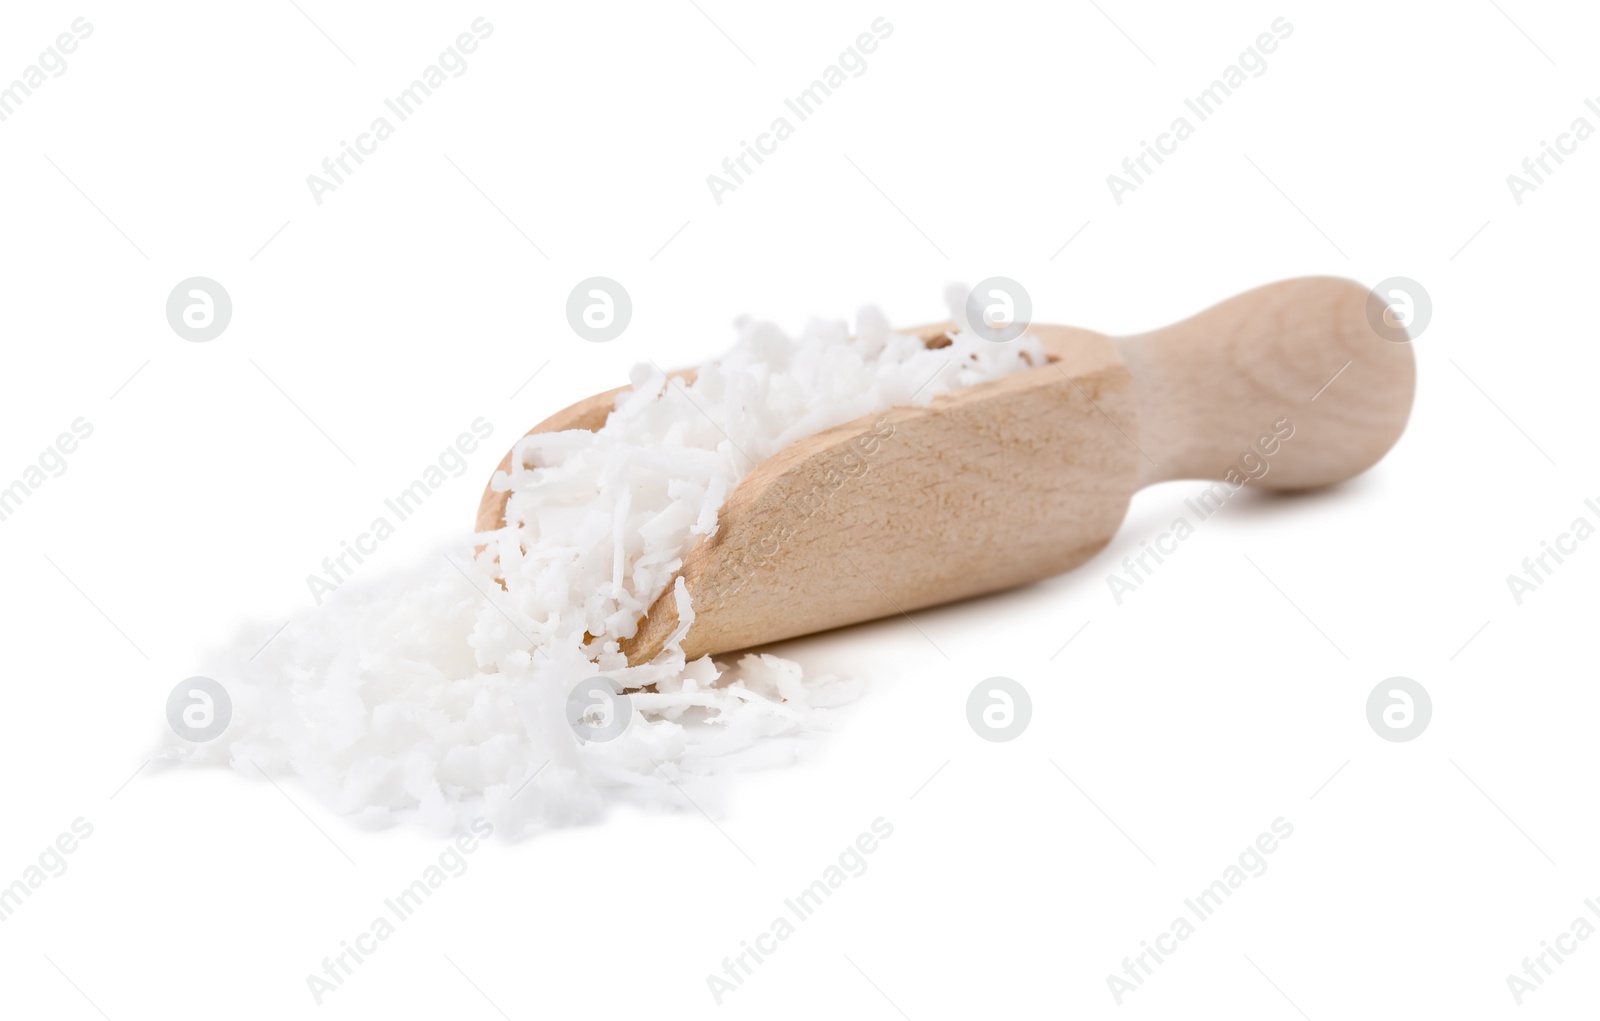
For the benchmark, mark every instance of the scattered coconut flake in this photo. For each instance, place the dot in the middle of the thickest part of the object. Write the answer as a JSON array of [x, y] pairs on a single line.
[[439, 694]]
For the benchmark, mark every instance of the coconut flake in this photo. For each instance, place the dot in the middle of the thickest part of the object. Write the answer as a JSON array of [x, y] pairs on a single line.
[[439, 694]]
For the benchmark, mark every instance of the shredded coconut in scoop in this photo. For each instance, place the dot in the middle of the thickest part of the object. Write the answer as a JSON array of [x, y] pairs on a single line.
[[439, 694]]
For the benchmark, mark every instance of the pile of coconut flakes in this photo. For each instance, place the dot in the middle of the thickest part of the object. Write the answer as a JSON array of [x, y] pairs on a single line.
[[440, 694]]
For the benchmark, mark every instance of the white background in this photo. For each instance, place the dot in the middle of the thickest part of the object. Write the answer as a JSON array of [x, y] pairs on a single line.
[[410, 302]]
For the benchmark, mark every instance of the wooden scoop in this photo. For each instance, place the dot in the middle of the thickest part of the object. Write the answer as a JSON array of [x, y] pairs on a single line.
[[1027, 476]]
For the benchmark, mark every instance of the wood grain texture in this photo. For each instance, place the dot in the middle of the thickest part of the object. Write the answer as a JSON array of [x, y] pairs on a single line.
[[1210, 385], [1027, 476], [985, 488]]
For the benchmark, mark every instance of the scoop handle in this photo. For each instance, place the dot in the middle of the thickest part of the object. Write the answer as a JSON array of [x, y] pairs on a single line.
[[1294, 385]]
